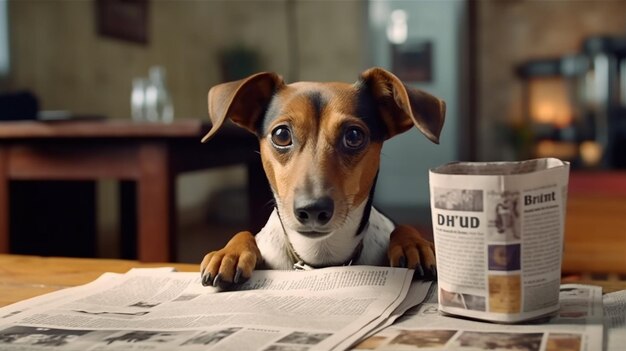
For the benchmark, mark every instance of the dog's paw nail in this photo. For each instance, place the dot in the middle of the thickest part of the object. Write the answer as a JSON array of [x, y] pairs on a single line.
[[402, 262], [433, 271], [419, 271], [218, 279], [237, 276], [206, 279]]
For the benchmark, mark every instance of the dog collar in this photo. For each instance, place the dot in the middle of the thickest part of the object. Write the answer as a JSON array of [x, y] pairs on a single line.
[[368, 208]]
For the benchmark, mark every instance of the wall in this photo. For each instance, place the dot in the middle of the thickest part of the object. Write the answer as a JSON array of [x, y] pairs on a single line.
[[57, 52], [403, 180], [511, 32]]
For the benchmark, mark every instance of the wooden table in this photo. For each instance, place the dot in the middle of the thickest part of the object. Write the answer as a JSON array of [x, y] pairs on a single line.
[[23, 277], [146, 157]]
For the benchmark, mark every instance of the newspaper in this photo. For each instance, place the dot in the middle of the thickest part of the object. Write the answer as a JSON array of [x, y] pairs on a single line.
[[498, 230], [156, 309], [576, 327], [615, 320]]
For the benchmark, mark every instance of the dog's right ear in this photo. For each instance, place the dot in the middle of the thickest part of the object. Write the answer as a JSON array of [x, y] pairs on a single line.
[[243, 101], [403, 107]]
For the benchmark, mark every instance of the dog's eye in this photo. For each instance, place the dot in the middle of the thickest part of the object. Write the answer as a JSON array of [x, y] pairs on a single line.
[[354, 138], [281, 137]]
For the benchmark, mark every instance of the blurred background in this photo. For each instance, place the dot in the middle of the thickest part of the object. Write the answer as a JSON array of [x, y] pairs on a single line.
[[521, 79]]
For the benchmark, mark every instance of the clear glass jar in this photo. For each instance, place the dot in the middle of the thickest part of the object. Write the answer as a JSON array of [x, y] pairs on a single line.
[[159, 107], [138, 99]]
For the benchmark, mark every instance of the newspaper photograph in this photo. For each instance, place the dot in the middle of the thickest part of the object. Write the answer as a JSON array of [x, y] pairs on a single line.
[[577, 326], [153, 309], [498, 230]]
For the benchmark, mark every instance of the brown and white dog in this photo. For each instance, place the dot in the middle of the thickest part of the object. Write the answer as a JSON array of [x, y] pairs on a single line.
[[320, 146]]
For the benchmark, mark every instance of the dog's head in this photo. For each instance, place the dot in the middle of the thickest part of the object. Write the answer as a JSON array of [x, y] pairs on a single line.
[[320, 143]]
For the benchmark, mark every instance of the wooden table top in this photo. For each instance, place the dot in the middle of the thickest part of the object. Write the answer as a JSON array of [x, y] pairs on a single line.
[[102, 128], [23, 277]]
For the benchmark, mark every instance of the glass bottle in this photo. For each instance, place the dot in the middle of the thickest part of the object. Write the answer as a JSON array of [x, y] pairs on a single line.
[[159, 106], [138, 99]]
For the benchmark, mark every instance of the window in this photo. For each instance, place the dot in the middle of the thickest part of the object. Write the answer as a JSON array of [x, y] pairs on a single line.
[[4, 39]]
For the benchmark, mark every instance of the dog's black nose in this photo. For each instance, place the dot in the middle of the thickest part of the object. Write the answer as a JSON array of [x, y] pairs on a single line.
[[314, 211]]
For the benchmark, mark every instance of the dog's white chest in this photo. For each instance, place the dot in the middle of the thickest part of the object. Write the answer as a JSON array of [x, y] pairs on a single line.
[[335, 249]]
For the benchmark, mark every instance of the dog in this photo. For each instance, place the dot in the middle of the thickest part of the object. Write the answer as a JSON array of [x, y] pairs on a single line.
[[320, 147]]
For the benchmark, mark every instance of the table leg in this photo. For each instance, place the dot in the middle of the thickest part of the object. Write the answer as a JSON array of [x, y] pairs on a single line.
[[128, 219], [156, 202], [4, 202]]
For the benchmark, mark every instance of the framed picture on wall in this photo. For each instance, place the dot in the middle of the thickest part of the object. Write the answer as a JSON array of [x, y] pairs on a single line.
[[413, 61], [123, 19]]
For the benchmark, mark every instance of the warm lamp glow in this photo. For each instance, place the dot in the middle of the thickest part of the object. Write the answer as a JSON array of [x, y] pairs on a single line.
[[545, 112], [549, 102], [590, 153]]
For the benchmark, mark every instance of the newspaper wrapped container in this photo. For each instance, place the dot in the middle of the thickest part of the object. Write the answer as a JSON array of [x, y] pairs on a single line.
[[498, 229]]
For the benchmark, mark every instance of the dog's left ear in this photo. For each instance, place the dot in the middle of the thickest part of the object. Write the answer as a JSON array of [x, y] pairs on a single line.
[[243, 101], [402, 107]]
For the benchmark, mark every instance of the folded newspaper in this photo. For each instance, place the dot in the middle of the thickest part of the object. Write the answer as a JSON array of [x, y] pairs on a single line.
[[157, 309], [498, 230], [325, 309], [576, 327]]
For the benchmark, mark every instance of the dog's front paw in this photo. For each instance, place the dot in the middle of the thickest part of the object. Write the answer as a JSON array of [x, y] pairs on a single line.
[[232, 264], [407, 248]]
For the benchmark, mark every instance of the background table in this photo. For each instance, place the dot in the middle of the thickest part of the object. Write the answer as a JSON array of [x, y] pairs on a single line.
[[146, 157]]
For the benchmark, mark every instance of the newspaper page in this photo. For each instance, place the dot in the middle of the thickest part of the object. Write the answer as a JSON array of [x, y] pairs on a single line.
[[498, 230], [416, 295], [615, 320], [576, 327], [160, 310]]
